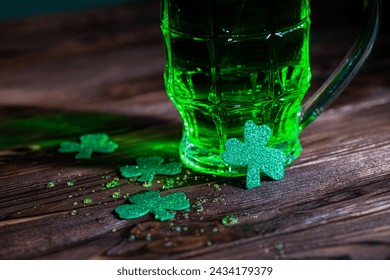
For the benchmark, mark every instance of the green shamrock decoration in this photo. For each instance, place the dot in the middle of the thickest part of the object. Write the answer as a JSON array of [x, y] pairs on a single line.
[[151, 202], [89, 143], [254, 154], [148, 167]]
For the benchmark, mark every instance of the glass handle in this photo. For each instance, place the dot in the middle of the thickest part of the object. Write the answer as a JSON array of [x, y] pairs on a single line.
[[347, 69]]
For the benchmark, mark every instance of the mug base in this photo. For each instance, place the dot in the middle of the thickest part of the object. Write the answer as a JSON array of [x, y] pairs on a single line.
[[212, 163]]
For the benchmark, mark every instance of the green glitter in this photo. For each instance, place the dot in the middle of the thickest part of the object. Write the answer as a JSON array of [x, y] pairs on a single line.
[[73, 212], [131, 238], [151, 202], [198, 205], [87, 200], [148, 237], [279, 245], [218, 199], [89, 143], [116, 195], [113, 183], [147, 184], [201, 200], [169, 183], [50, 184], [148, 167], [230, 220], [70, 183], [217, 187], [254, 154]]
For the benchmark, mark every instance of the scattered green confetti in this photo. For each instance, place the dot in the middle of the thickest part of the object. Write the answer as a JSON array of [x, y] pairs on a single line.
[[147, 184], [180, 184], [169, 183], [217, 187], [50, 184], [89, 143], [88, 200], [218, 199], [116, 195], [198, 205], [254, 154], [151, 202], [279, 245], [73, 212], [230, 220], [148, 167], [70, 183], [113, 183]]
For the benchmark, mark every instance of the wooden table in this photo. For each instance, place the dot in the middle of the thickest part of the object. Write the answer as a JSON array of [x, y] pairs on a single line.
[[101, 71]]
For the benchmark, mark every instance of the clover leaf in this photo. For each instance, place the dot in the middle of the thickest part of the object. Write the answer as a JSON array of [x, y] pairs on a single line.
[[148, 167], [254, 154], [89, 143], [151, 202]]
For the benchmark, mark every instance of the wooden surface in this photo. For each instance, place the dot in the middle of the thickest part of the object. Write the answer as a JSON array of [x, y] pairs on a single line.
[[101, 71]]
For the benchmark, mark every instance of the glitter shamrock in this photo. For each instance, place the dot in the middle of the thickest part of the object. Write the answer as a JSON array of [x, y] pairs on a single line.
[[148, 167], [89, 143], [254, 154], [151, 202]]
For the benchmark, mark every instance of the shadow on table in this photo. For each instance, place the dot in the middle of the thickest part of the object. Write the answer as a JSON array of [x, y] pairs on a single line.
[[26, 130]]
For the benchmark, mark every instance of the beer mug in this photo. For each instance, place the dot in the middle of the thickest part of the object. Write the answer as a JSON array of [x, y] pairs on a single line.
[[230, 61]]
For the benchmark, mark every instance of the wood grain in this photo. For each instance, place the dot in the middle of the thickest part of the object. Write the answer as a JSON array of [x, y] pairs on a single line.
[[65, 75]]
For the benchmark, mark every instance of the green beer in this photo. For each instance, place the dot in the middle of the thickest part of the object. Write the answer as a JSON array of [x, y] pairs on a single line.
[[230, 61]]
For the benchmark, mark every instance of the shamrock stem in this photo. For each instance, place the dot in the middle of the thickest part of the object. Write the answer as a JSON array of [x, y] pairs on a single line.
[[253, 177], [84, 154], [148, 176]]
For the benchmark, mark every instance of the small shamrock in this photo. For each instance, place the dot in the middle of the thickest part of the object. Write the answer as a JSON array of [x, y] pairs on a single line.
[[148, 167], [89, 143], [151, 202], [254, 154]]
